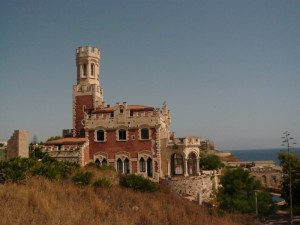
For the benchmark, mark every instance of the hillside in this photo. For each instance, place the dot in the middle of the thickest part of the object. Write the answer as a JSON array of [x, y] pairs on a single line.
[[38, 200]]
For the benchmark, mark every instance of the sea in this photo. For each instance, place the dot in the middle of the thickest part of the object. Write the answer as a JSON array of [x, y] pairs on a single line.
[[262, 154]]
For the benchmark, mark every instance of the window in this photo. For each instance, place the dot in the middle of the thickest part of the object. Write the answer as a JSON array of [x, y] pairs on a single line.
[[121, 110], [92, 69], [100, 135], [82, 133], [149, 167], [104, 162], [142, 165], [144, 134], [126, 166], [122, 134], [119, 166], [84, 70]]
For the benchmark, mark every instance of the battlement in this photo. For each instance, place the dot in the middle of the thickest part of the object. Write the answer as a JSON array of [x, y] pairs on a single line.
[[87, 51]]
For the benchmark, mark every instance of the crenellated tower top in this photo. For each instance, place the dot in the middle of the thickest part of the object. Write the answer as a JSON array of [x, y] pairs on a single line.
[[88, 65]]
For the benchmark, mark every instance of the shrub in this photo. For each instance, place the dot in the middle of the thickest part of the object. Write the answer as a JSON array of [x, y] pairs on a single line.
[[103, 182], [138, 183], [82, 178], [16, 169]]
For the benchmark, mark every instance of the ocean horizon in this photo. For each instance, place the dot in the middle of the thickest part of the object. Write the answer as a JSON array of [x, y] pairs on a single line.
[[261, 154]]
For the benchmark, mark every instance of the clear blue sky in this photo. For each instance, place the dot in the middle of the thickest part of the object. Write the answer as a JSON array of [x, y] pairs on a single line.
[[229, 70]]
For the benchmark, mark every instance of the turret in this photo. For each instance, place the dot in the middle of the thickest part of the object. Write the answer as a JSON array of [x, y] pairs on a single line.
[[87, 93]]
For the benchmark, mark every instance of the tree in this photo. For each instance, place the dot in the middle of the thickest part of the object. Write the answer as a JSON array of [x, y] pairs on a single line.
[[210, 162], [295, 177], [237, 193], [54, 138]]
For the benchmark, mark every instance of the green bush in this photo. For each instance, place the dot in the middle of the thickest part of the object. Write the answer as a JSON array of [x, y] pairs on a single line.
[[103, 167], [53, 169], [16, 169], [103, 182], [82, 178], [138, 183]]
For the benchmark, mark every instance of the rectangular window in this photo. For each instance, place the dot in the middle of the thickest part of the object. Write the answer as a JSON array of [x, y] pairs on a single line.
[[122, 135], [100, 135], [144, 134]]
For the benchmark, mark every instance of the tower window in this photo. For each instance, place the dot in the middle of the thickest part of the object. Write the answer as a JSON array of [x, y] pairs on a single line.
[[92, 69], [84, 69]]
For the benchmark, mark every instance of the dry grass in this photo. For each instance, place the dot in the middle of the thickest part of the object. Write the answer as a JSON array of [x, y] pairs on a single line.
[[43, 202]]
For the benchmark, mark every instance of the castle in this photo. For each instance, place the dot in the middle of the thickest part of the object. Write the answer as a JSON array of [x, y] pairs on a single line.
[[131, 138]]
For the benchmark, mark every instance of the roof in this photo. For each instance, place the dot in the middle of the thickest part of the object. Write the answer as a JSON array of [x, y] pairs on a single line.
[[67, 141], [130, 107]]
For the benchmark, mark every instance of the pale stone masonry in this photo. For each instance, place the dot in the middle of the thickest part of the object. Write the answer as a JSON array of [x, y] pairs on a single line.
[[18, 144]]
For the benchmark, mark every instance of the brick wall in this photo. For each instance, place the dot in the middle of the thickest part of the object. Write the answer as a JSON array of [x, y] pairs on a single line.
[[86, 100]]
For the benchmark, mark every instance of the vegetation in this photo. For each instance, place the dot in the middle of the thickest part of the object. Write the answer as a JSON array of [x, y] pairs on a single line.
[[138, 183], [237, 193], [103, 182], [295, 178], [54, 138], [42, 201], [82, 178], [210, 162]]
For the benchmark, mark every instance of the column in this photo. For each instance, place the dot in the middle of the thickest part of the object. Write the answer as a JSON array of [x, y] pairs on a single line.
[[198, 167], [186, 174]]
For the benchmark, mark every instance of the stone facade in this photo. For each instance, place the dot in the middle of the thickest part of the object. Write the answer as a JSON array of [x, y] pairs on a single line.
[[18, 144], [203, 185]]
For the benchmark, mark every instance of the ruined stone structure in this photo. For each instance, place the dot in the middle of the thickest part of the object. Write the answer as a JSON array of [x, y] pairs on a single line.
[[18, 144], [131, 138]]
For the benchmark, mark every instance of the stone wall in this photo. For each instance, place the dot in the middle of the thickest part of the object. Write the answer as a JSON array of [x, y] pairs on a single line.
[[18, 144], [192, 186]]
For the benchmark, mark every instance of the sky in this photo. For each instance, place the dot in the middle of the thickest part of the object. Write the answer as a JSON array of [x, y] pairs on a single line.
[[228, 70]]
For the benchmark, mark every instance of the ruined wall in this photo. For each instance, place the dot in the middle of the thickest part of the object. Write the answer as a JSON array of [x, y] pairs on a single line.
[[204, 184], [18, 144]]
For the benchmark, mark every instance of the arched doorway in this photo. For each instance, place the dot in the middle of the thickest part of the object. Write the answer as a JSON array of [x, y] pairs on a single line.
[[192, 164], [149, 167], [177, 164], [97, 162]]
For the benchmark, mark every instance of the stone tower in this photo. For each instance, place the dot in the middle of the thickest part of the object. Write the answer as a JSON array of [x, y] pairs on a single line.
[[18, 144], [87, 93]]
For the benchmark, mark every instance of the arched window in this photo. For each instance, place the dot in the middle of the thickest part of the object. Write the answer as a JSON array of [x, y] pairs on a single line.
[[149, 167], [126, 166], [84, 70], [97, 162], [100, 135], [144, 134], [192, 164], [142, 165], [122, 134], [177, 164], [119, 166], [104, 162], [92, 69]]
